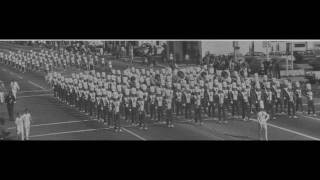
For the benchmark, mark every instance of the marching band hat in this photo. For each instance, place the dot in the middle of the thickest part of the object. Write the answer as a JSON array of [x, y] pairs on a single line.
[[152, 89], [308, 85], [133, 91], [115, 95], [127, 91], [268, 85]]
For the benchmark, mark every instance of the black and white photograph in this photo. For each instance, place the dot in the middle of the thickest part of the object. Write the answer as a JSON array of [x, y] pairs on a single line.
[[159, 90]]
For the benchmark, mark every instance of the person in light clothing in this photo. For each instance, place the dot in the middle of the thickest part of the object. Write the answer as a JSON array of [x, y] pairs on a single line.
[[263, 117], [19, 126], [15, 88], [26, 118]]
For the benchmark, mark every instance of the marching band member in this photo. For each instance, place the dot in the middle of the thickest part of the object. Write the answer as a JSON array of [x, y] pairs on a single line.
[[263, 117], [234, 100], [269, 100], [244, 99], [26, 118], [211, 100], [291, 101], [178, 100], [187, 101], [14, 87], [168, 105], [309, 95], [99, 105], [159, 105], [257, 97], [19, 127], [221, 105], [278, 97], [141, 110], [133, 107], [110, 102], [116, 112], [197, 106], [298, 97], [126, 102], [152, 100]]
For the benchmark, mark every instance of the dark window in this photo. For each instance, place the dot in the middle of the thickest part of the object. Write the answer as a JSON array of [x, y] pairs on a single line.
[[299, 45]]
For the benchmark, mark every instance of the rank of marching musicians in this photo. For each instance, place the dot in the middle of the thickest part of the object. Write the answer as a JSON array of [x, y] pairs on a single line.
[[137, 95]]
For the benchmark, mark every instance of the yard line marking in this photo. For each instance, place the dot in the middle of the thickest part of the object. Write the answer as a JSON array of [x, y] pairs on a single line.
[[34, 91], [67, 132], [48, 124], [311, 117], [35, 95], [14, 74], [288, 130], [37, 85], [314, 104], [134, 134]]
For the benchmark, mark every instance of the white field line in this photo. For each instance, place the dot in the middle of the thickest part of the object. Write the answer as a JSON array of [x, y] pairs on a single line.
[[37, 85], [134, 134], [48, 124], [20, 92], [291, 131], [66, 132], [34, 96], [317, 119], [14, 74]]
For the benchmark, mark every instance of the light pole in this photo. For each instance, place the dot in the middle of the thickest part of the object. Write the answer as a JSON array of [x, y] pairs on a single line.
[[292, 55]]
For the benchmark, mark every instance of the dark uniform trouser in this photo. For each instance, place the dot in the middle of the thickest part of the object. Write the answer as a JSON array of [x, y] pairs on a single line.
[[159, 113], [178, 108], [204, 104], [110, 117], [291, 108], [86, 105], [311, 106], [250, 104], [104, 114], [270, 109], [152, 111], [187, 110], [221, 112], [299, 104], [142, 122], [147, 107], [10, 111], [279, 103], [245, 110], [285, 104], [126, 113], [99, 112], [169, 116], [133, 114], [257, 107], [116, 116], [235, 108], [211, 109], [197, 114]]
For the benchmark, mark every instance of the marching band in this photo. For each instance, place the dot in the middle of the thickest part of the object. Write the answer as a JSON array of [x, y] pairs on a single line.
[[138, 95]]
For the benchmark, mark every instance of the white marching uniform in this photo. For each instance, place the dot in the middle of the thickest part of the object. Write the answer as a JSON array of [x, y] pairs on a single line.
[[19, 125], [1, 97], [15, 88], [26, 123], [263, 118]]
